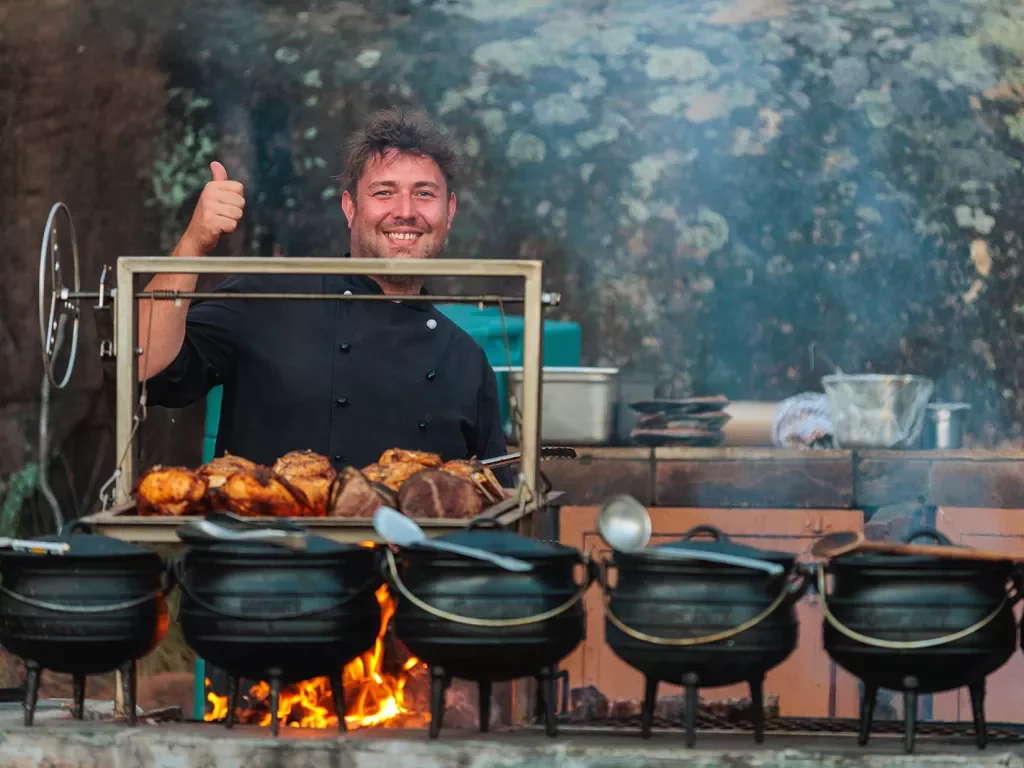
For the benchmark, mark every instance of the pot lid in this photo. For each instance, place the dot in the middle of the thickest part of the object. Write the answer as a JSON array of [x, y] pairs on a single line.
[[83, 545], [491, 536], [707, 538]]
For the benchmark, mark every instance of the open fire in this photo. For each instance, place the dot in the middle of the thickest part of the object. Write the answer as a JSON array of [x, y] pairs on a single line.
[[377, 690]]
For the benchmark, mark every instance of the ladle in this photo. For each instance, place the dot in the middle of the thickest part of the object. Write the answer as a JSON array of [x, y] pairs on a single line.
[[396, 528], [836, 544], [626, 526]]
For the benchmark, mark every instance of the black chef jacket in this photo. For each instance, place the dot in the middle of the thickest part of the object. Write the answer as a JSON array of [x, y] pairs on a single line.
[[346, 379]]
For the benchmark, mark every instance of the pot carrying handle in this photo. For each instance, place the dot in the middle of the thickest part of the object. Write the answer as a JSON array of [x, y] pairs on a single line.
[[94, 609], [792, 590], [933, 533], [178, 569], [392, 575], [716, 533], [906, 645]]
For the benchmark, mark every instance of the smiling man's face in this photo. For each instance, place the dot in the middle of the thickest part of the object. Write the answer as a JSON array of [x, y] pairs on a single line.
[[402, 209]]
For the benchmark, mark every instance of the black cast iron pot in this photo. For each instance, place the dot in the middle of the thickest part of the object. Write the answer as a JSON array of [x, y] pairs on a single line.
[[97, 608], [470, 619], [919, 625], [702, 624], [260, 611]]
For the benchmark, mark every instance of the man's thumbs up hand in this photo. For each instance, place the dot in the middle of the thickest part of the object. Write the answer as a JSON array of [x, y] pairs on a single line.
[[218, 211]]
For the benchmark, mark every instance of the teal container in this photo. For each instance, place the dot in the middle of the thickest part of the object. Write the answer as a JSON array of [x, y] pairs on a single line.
[[562, 347], [562, 340]]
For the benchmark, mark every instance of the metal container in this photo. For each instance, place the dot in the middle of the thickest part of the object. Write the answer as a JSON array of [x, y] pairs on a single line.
[[877, 411], [944, 426], [577, 404]]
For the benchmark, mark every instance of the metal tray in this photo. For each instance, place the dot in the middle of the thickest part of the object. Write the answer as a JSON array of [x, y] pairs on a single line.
[[118, 522]]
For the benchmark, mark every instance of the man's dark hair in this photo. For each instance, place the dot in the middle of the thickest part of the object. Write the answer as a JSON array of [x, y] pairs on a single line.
[[408, 132]]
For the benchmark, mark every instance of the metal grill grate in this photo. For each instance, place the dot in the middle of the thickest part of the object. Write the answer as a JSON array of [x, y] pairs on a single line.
[[1005, 733]]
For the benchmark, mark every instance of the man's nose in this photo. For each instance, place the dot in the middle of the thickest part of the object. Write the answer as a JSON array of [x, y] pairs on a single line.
[[405, 207]]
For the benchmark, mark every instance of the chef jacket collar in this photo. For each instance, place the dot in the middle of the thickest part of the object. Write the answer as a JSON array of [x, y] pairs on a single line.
[[366, 284]]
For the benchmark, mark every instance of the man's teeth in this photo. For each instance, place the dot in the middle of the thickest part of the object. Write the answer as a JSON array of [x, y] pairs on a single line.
[[403, 235]]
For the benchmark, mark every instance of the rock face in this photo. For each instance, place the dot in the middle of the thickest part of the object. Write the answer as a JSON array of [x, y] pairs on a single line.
[[712, 185]]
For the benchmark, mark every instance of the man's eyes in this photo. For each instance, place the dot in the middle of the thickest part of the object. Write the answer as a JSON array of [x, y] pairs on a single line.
[[421, 193]]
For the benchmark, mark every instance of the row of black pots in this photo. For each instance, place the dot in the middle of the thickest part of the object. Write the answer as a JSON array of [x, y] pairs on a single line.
[[260, 611]]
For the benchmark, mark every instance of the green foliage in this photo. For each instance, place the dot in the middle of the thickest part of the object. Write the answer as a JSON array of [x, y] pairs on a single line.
[[14, 492], [180, 169]]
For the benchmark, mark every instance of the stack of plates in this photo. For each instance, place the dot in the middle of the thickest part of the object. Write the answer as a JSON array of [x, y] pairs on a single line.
[[694, 421]]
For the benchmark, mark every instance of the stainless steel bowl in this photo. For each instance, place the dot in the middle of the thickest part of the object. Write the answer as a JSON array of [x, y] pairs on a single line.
[[876, 410]]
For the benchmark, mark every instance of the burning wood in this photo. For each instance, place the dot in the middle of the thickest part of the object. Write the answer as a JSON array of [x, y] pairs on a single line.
[[377, 690]]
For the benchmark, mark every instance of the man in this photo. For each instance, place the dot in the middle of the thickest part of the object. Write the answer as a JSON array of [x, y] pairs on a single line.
[[347, 379]]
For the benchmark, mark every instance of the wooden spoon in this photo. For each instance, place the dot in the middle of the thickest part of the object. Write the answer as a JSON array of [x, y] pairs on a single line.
[[836, 544]]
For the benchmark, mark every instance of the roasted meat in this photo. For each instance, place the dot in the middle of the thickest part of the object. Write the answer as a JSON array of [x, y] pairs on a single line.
[[262, 493], [312, 474], [217, 471], [439, 494], [354, 495], [479, 475], [169, 491], [393, 475], [401, 456]]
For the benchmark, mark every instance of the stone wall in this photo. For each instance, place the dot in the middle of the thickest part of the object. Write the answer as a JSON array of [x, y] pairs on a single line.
[[713, 185]]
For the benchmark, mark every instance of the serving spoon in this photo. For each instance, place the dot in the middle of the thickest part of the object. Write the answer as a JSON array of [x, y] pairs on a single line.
[[626, 525], [842, 543], [395, 528]]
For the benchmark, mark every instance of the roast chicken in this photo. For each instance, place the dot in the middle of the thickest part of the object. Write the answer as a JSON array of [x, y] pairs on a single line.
[[304, 484]]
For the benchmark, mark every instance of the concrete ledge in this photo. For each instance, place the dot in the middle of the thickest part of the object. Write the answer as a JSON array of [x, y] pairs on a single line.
[[71, 745]]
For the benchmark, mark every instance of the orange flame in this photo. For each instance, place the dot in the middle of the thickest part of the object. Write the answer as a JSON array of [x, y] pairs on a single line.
[[373, 698]]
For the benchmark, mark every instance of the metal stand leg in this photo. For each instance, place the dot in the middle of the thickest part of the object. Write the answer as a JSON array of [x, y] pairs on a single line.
[[909, 713], [691, 683], [275, 700], [978, 710], [439, 682], [757, 701], [129, 679], [78, 708], [867, 713], [32, 675], [650, 699], [233, 685], [484, 702], [338, 694]]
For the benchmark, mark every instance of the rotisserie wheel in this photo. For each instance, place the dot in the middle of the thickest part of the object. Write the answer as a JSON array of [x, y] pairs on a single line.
[[169, 491], [262, 493], [402, 456], [312, 474], [436, 493], [355, 495]]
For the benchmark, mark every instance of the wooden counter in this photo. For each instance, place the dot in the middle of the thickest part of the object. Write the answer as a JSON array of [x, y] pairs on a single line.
[[788, 479]]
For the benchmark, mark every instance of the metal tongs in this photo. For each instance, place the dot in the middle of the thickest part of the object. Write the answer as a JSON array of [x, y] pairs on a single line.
[[549, 452], [224, 526]]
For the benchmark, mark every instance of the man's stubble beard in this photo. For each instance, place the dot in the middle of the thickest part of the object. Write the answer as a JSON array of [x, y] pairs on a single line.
[[369, 250]]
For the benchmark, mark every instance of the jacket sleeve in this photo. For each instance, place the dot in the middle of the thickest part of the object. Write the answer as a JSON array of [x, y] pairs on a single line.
[[207, 354]]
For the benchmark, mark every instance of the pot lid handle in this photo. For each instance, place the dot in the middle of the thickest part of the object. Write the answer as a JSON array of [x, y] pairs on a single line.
[[714, 533], [484, 522], [933, 533]]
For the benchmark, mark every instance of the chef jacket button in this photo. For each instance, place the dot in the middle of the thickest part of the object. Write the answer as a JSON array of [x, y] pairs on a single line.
[[431, 375], [422, 425], [342, 401], [348, 293], [431, 323], [346, 348]]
